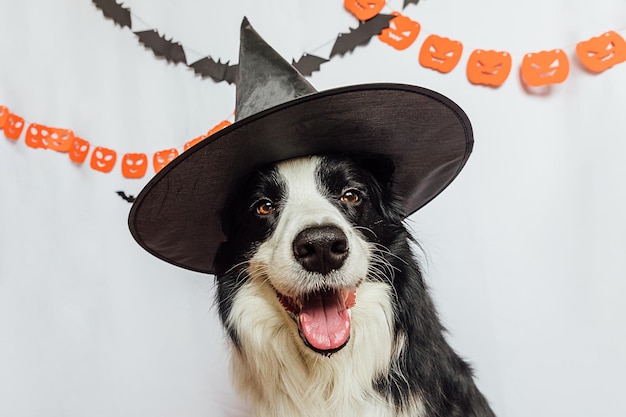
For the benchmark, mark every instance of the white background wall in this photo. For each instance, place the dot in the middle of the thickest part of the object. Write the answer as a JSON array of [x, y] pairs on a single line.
[[526, 250]]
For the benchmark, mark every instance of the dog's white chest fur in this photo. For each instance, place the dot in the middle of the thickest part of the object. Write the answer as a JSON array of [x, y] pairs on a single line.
[[282, 377]]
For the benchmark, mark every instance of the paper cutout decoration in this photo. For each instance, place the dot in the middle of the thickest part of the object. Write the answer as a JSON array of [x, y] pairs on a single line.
[[347, 42], [129, 198], [308, 63], [401, 33], [4, 115], [13, 126], [79, 150], [194, 142], [162, 158], [40, 136], [199, 139], [545, 67], [113, 10], [221, 125], [407, 2], [171, 51], [602, 52], [364, 9], [103, 159], [134, 165], [217, 71], [440, 54], [488, 67]]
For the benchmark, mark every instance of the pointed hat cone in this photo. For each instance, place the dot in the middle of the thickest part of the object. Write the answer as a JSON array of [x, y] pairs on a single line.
[[264, 78]]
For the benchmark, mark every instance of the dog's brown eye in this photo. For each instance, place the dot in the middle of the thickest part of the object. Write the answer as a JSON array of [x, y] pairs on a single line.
[[265, 207], [351, 197]]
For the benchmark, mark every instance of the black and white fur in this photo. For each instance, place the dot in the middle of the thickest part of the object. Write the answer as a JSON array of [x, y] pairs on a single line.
[[396, 361]]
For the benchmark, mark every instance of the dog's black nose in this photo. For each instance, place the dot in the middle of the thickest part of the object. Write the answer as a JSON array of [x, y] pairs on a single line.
[[321, 249]]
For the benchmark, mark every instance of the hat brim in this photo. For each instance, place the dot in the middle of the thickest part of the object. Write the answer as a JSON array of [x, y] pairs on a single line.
[[176, 217]]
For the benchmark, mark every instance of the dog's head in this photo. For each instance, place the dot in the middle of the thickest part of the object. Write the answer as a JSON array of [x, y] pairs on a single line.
[[312, 230]]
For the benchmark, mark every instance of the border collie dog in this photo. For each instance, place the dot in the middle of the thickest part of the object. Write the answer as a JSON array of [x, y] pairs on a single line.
[[325, 304]]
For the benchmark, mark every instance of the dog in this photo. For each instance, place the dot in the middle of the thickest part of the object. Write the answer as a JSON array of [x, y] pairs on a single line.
[[323, 300]]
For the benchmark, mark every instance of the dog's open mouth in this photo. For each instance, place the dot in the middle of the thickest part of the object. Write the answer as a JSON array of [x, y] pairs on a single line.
[[323, 317]]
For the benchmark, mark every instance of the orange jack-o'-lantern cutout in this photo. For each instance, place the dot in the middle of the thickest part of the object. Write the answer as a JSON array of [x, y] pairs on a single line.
[[103, 159], [40, 136], [61, 139], [194, 142], [13, 126], [37, 136], [545, 67], [441, 54], [401, 32], [602, 52], [364, 9], [213, 130], [488, 67], [162, 158], [134, 165], [4, 115], [79, 149], [221, 125]]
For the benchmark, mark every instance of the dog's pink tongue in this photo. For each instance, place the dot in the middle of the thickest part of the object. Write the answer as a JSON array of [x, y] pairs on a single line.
[[324, 320]]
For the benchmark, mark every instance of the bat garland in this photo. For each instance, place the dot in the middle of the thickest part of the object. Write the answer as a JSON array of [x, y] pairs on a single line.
[[218, 71]]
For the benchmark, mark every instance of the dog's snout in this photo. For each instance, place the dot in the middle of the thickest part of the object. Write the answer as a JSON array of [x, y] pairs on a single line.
[[321, 249]]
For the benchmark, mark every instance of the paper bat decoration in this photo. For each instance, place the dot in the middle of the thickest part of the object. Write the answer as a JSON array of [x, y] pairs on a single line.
[[347, 42], [407, 2], [307, 64], [218, 71], [171, 51], [129, 198], [114, 11]]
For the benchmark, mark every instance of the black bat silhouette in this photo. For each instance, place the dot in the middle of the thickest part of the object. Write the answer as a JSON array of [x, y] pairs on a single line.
[[347, 42], [218, 71], [115, 11], [307, 64], [129, 198], [171, 51], [407, 2]]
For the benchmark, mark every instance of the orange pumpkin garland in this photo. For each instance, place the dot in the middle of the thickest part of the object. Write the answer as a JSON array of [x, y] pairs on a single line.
[[602, 52], [441, 54], [364, 9], [488, 67], [401, 33], [545, 67]]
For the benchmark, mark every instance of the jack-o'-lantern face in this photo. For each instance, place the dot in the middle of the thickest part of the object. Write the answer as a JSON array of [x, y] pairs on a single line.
[[545, 67], [401, 32], [602, 52], [40, 136], [60, 139], [163, 158], [441, 54], [13, 126], [134, 165], [488, 67], [37, 136], [4, 115], [364, 9], [79, 149], [103, 159]]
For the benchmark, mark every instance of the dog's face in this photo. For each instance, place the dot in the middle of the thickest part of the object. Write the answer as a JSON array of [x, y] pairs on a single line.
[[310, 230]]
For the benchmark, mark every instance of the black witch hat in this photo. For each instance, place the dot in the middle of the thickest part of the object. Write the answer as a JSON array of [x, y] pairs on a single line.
[[279, 116]]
